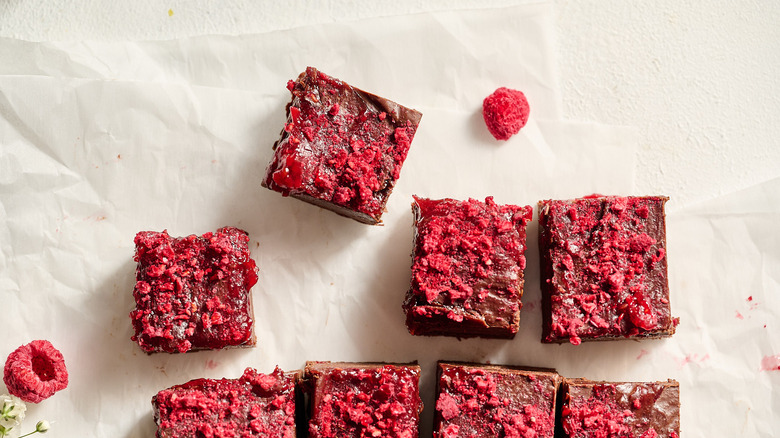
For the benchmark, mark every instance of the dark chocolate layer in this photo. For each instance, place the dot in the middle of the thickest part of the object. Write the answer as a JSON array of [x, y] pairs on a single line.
[[342, 148], [467, 269], [620, 409], [477, 400], [193, 293], [351, 400], [604, 269], [255, 404]]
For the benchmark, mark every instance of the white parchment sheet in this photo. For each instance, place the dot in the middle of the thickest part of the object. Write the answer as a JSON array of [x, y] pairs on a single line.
[[444, 59], [89, 163], [100, 141]]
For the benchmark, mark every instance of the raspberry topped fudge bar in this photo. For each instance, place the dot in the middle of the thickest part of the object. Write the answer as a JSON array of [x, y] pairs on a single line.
[[192, 293], [342, 148], [254, 405], [356, 400], [628, 409], [467, 268], [477, 401], [603, 269]]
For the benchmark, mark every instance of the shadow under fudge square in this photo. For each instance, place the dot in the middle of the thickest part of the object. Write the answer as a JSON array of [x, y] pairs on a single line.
[[604, 269], [477, 400], [193, 293], [255, 404], [342, 148], [467, 268], [355, 400], [593, 409]]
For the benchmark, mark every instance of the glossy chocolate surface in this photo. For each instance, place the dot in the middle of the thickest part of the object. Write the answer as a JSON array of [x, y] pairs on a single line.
[[476, 400], [255, 405], [620, 409], [192, 293], [349, 400], [604, 269], [342, 148], [467, 268]]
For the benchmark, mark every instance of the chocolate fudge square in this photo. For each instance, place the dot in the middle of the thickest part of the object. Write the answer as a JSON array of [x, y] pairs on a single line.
[[620, 409], [342, 148], [192, 293], [603, 269], [476, 400], [351, 400], [467, 268], [254, 405]]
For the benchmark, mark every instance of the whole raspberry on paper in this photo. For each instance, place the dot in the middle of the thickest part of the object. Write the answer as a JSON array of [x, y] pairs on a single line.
[[35, 371], [505, 112]]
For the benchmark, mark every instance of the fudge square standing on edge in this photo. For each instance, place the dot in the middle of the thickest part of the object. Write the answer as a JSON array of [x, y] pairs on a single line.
[[192, 293], [603, 269], [476, 401], [620, 409], [342, 148], [467, 268], [356, 400], [254, 405]]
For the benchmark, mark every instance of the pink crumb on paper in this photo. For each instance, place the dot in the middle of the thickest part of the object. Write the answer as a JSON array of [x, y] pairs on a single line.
[[770, 363], [692, 358], [739, 315], [642, 353]]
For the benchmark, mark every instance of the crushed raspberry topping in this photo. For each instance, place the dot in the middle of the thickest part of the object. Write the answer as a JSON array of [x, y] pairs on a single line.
[[626, 410], [382, 401], [478, 402], [256, 404], [608, 266], [35, 371], [468, 255], [340, 145], [505, 112], [463, 245], [192, 293]]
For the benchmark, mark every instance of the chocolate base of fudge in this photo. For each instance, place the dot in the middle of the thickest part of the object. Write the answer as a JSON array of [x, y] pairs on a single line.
[[604, 269], [342, 148], [193, 293], [478, 400], [467, 268], [593, 409], [255, 404], [349, 400]]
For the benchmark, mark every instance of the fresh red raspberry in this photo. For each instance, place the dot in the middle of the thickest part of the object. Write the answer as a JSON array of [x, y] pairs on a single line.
[[505, 112], [35, 371]]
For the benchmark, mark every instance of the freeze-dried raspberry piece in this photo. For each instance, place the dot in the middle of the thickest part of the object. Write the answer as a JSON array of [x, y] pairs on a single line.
[[505, 112], [34, 372]]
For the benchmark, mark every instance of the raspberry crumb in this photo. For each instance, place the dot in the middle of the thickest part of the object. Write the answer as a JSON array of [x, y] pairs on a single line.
[[505, 112], [35, 371]]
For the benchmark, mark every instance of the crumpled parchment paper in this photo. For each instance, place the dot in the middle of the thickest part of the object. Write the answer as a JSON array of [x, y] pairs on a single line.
[[101, 140]]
